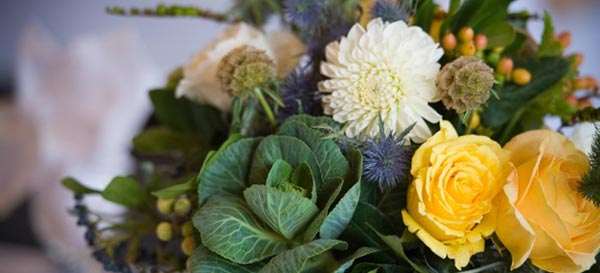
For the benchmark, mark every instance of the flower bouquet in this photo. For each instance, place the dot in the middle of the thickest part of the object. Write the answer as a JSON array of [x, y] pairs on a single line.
[[366, 136]]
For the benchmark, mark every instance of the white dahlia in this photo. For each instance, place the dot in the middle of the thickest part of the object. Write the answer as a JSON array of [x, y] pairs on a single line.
[[389, 69]]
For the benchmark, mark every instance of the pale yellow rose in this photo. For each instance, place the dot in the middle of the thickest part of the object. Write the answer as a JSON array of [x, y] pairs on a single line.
[[541, 214], [450, 201], [200, 82]]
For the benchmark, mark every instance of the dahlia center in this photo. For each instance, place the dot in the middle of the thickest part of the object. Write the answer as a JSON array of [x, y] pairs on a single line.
[[379, 88]]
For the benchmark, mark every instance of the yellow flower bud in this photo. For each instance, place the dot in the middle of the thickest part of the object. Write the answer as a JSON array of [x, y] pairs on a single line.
[[164, 231], [467, 49], [521, 76], [183, 206], [164, 206], [188, 245], [466, 34]]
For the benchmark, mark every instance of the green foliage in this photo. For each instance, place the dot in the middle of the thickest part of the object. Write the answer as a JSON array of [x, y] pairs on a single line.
[[125, 191], [205, 261], [549, 47], [499, 34], [424, 15], [264, 197], [176, 190], [165, 140], [255, 12], [359, 253], [488, 17], [76, 186], [589, 186], [515, 99]]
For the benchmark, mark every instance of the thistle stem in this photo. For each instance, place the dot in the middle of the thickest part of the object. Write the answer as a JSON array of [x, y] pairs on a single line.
[[172, 11]]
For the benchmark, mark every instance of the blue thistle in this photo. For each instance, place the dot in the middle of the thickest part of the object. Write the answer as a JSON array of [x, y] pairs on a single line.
[[386, 162], [390, 11], [306, 14], [300, 94]]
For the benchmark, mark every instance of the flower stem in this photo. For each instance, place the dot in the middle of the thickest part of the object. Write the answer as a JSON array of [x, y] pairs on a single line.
[[172, 11], [265, 105]]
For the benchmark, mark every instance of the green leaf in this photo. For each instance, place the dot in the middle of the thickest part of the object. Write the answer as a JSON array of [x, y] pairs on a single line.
[[295, 259], [331, 161], [589, 186], [424, 15], [359, 230], [176, 190], [228, 228], [162, 139], [454, 6], [76, 186], [500, 34], [287, 213], [395, 243], [182, 115], [289, 149], [549, 47], [383, 268], [204, 261], [303, 177], [545, 73], [359, 253], [280, 172], [341, 215], [125, 191], [313, 122], [315, 226], [225, 173]]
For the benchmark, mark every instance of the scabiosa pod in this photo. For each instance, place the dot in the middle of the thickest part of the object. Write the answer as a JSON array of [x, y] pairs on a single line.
[[465, 84]]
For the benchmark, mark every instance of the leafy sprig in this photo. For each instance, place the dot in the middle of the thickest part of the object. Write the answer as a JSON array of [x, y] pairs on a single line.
[[589, 186]]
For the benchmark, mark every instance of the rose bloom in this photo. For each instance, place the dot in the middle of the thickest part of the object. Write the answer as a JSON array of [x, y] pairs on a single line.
[[450, 201], [541, 214], [200, 82]]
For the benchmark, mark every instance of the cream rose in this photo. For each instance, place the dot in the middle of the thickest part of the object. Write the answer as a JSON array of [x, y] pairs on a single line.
[[450, 201], [541, 214], [200, 82]]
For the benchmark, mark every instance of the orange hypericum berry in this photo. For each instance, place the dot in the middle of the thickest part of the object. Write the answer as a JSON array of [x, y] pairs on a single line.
[[481, 42], [585, 83], [577, 60], [571, 99], [505, 66], [466, 34], [434, 30], [565, 39], [467, 49], [449, 42], [585, 103], [521, 76]]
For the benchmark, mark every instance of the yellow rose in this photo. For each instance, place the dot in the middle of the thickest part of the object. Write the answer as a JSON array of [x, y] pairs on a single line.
[[450, 201], [541, 214]]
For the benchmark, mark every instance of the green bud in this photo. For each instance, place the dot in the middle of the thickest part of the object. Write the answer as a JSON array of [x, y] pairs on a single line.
[[187, 229], [479, 54], [188, 245], [164, 231], [165, 206], [493, 58], [183, 206], [499, 79]]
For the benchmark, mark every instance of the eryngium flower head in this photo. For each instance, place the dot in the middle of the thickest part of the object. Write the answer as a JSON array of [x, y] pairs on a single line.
[[386, 162], [306, 14], [465, 84], [245, 68], [300, 93], [390, 11]]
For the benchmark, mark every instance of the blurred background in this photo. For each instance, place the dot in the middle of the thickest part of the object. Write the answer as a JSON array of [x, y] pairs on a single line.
[[73, 85]]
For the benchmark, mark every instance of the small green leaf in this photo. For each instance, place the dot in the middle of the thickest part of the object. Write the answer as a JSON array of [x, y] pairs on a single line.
[[176, 190], [303, 177], [549, 47], [359, 253], [287, 213], [204, 261], [125, 191], [315, 226], [424, 14], [162, 139], [341, 215], [228, 228], [295, 259], [395, 244], [76, 186], [365, 217], [280, 172], [225, 173]]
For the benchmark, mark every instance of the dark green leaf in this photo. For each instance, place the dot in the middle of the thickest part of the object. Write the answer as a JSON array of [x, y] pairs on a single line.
[[295, 259], [176, 190], [204, 261], [76, 186], [280, 172], [314, 227], [226, 171], [359, 230], [382, 268], [284, 212], [424, 15], [125, 191], [359, 253], [545, 73], [162, 139], [395, 243], [500, 34], [549, 47], [228, 228], [342, 213], [303, 177]]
